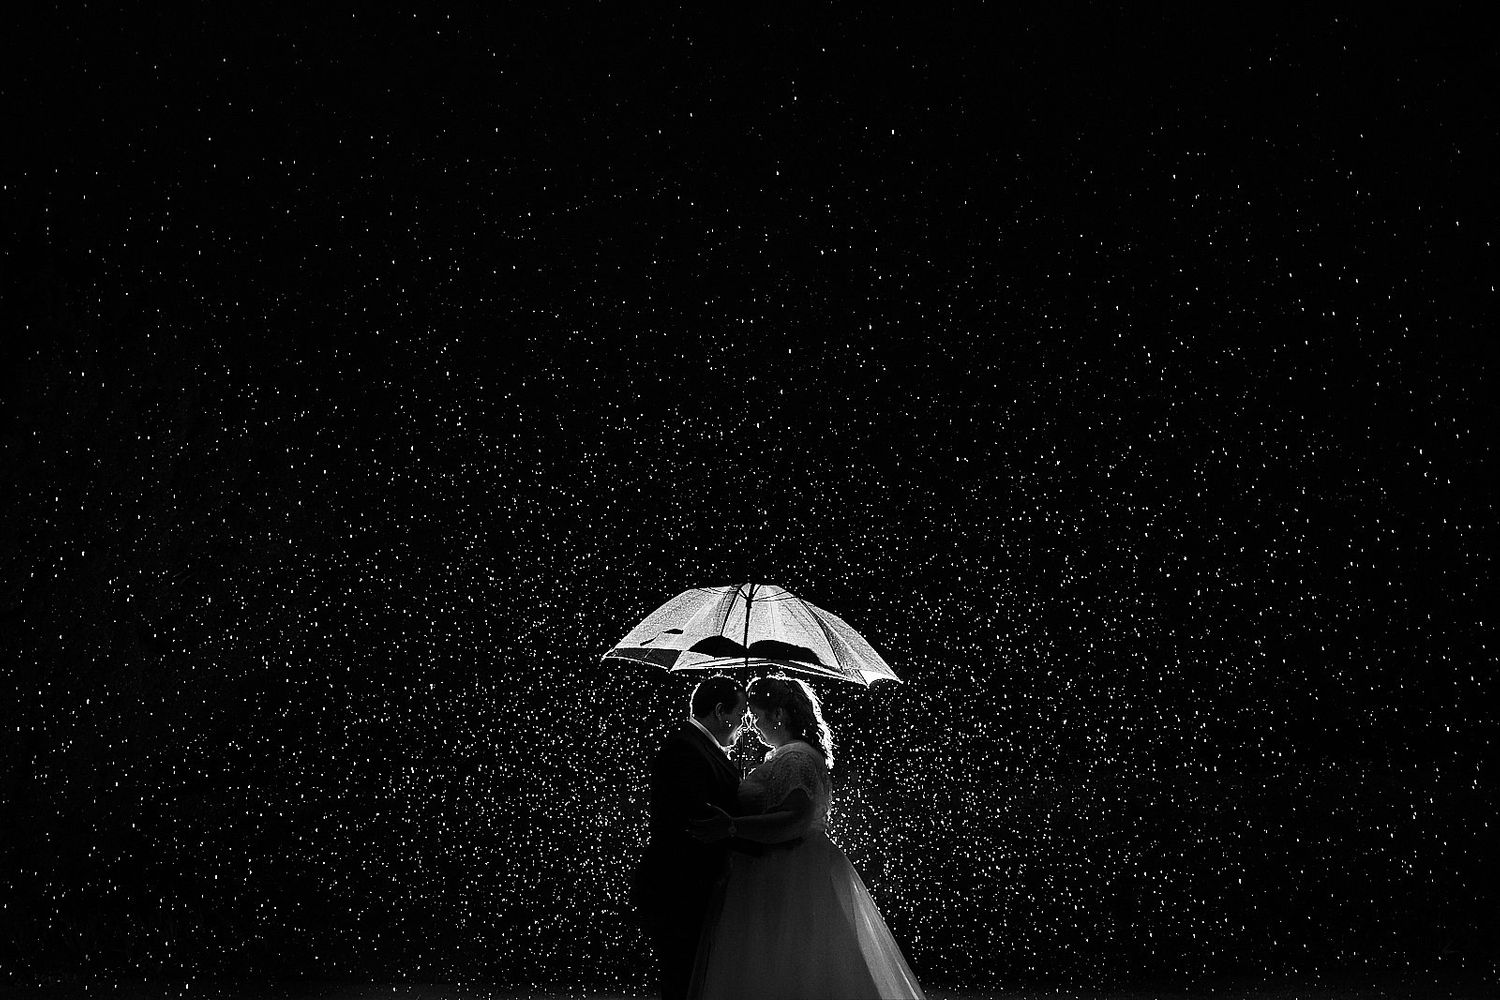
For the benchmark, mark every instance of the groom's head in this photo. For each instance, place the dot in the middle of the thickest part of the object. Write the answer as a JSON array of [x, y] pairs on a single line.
[[718, 704]]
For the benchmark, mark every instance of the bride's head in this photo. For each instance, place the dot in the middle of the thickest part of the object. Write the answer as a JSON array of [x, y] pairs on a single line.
[[786, 708]]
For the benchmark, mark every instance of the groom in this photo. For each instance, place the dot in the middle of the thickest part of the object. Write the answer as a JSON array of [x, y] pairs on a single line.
[[677, 875]]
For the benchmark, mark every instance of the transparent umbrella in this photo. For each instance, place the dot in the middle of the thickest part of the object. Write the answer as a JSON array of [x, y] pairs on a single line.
[[751, 625]]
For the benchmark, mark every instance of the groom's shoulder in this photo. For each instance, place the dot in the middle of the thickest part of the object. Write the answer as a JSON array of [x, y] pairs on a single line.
[[678, 737], [677, 749]]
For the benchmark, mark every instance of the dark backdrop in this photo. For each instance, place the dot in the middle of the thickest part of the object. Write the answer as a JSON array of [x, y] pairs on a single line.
[[1126, 379]]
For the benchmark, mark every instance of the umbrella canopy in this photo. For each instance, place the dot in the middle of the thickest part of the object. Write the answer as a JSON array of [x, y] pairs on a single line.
[[751, 625]]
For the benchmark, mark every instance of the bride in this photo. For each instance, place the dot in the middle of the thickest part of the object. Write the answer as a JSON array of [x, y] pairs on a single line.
[[794, 921]]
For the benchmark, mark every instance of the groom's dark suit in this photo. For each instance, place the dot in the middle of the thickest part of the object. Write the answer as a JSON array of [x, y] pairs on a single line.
[[677, 874]]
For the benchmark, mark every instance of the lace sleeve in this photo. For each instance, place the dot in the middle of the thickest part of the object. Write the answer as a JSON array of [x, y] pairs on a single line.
[[798, 767]]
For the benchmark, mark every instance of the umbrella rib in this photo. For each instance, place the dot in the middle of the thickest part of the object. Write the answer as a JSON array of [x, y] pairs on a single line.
[[828, 636], [728, 607]]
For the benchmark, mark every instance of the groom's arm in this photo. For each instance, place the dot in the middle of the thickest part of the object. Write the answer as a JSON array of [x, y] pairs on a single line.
[[790, 821]]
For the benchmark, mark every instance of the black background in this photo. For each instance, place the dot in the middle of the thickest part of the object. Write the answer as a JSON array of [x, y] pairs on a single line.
[[1125, 377]]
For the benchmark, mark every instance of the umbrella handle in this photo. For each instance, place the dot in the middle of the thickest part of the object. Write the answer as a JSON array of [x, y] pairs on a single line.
[[749, 598]]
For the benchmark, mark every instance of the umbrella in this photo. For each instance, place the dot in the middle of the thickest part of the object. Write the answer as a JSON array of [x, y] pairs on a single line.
[[751, 625]]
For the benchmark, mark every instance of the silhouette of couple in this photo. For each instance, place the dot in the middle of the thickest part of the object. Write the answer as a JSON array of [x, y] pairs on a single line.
[[740, 889]]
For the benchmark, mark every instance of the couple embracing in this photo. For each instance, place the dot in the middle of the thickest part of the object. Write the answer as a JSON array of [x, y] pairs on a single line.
[[740, 889]]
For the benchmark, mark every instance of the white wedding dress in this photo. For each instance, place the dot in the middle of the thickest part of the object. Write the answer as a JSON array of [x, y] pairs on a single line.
[[796, 923]]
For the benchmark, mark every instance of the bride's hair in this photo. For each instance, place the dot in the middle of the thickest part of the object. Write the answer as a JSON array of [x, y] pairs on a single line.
[[804, 716]]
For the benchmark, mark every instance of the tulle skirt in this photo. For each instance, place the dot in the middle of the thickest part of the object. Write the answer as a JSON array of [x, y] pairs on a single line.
[[798, 924]]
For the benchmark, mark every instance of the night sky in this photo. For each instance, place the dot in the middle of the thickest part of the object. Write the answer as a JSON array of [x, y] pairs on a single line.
[[1126, 379]]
